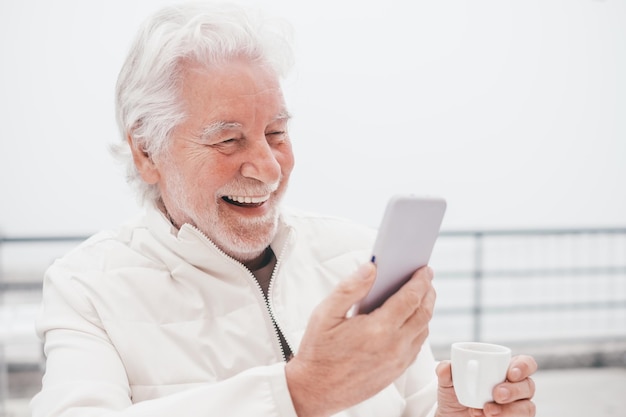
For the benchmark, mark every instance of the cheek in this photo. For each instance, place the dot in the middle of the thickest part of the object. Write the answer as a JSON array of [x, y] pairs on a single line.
[[286, 160], [208, 176], [186, 177]]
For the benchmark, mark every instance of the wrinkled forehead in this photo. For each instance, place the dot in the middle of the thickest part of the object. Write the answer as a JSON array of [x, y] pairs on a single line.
[[237, 77], [235, 94], [225, 65]]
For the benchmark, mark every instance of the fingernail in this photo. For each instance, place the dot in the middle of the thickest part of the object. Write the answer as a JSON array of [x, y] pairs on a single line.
[[515, 374], [503, 394], [493, 409], [365, 270]]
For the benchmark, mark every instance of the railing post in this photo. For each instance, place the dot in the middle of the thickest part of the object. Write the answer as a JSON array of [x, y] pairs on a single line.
[[4, 366], [1, 268], [478, 286]]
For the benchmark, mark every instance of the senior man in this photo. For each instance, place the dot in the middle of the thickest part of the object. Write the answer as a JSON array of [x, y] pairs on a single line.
[[217, 301]]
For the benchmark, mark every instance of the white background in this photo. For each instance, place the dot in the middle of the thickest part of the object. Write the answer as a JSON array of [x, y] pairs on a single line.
[[515, 111]]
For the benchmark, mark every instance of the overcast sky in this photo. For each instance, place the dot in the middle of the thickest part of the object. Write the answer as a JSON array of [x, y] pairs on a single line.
[[514, 111]]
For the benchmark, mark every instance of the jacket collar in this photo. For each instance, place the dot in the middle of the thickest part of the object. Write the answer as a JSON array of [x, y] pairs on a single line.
[[192, 245]]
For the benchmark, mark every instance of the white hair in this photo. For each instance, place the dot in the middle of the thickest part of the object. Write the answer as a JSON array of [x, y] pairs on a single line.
[[148, 102]]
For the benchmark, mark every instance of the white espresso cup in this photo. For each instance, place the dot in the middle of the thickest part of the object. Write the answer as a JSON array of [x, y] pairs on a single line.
[[476, 369]]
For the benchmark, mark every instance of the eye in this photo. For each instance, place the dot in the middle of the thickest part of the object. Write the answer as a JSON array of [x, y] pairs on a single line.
[[226, 141], [276, 137], [276, 133], [226, 145]]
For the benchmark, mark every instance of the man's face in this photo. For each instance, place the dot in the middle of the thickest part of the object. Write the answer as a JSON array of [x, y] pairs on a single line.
[[229, 161]]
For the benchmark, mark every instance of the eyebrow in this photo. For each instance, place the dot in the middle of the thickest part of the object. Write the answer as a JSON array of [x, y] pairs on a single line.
[[217, 127], [283, 115], [220, 126]]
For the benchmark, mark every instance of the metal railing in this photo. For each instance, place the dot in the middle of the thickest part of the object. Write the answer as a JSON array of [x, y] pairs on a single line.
[[505, 286], [574, 278], [29, 284], [480, 274]]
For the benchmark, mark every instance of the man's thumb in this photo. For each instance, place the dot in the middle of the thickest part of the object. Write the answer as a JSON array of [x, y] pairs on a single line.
[[349, 292]]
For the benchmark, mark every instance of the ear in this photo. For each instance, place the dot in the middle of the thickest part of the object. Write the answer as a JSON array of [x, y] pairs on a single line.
[[143, 161]]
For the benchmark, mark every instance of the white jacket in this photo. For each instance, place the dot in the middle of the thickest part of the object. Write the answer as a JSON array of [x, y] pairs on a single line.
[[151, 321]]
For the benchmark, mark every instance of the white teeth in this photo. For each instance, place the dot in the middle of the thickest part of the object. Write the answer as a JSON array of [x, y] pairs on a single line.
[[248, 200]]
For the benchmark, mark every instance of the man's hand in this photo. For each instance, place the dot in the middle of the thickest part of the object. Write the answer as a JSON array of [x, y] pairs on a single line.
[[343, 361], [511, 398]]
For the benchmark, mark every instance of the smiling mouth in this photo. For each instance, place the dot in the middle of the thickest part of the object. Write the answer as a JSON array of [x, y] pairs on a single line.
[[241, 201]]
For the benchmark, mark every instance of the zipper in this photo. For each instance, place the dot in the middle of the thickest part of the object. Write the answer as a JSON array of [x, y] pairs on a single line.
[[265, 300], [270, 309]]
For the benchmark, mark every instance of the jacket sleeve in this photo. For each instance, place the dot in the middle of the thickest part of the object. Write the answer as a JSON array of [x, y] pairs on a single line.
[[86, 377]]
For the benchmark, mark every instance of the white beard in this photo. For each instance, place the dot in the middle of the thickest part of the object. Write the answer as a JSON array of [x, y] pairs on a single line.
[[243, 238]]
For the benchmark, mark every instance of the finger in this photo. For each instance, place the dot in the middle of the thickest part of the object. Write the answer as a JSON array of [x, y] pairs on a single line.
[[508, 392], [521, 367], [403, 304], [446, 396], [424, 312], [418, 324], [444, 374], [525, 408], [347, 293]]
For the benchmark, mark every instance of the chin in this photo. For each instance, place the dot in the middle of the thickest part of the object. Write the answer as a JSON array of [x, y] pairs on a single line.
[[247, 240]]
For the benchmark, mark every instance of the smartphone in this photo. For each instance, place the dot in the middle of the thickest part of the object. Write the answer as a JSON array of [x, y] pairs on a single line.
[[405, 241]]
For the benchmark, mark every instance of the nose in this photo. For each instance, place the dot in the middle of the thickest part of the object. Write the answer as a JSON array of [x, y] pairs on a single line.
[[261, 162]]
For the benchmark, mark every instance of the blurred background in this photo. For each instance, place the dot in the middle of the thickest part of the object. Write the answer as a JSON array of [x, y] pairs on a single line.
[[513, 111]]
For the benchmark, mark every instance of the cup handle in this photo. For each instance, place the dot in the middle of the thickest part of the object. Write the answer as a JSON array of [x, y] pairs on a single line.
[[472, 377]]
